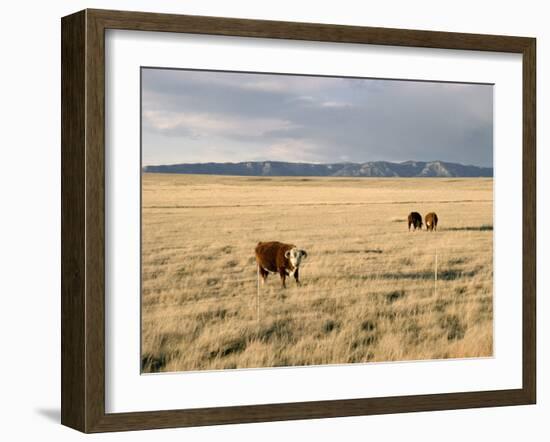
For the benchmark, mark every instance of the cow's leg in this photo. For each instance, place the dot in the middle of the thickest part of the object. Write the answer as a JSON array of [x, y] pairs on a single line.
[[282, 272], [297, 277]]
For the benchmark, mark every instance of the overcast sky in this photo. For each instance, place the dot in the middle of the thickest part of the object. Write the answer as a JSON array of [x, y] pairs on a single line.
[[201, 116]]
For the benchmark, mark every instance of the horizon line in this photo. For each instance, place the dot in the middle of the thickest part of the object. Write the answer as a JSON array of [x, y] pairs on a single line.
[[316, 163]]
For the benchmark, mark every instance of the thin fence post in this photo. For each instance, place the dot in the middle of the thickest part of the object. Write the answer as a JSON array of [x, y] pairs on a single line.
[[435, 280], [258, 295]]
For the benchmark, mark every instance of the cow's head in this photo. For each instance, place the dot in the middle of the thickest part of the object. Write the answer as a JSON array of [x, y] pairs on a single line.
[[295, 256]]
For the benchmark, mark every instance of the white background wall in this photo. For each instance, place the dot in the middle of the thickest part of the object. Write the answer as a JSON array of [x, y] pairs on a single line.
[[30, 216]]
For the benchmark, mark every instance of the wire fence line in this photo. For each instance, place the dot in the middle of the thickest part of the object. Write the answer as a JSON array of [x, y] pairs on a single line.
[[436, 270]]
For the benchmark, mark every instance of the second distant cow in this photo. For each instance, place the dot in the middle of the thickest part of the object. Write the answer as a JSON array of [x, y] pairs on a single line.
[[415, 220], [431, 221]]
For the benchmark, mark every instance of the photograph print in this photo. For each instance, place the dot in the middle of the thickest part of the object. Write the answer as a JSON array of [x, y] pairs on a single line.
[[299, 220]]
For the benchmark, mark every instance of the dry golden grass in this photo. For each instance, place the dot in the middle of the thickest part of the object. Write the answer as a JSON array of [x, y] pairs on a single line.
[[368, 290]]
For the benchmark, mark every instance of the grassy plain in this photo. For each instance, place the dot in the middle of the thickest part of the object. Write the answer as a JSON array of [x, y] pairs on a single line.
[[368, 290]]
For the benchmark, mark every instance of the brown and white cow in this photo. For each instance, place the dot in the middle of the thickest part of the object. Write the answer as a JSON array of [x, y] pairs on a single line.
[[415, 219], [431, 221], [281, 258]]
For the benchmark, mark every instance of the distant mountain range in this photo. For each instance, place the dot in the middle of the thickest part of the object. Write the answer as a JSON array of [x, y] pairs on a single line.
[[369, 169]]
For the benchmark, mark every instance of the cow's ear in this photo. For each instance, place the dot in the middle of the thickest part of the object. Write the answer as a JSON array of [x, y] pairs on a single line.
[[304, 254], [287, 254]]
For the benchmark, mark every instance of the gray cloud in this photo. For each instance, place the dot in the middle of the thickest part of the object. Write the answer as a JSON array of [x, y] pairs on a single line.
[[199, 116]]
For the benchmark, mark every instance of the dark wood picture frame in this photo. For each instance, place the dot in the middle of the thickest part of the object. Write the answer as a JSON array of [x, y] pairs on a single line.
[[83, 220]]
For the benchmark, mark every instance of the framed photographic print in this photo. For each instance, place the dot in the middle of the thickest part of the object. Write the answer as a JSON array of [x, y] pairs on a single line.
[[269, 220]]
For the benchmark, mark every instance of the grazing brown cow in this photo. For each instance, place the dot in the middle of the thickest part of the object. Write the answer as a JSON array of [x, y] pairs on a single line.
[[415, 220], [431, 221], [277, 257]]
